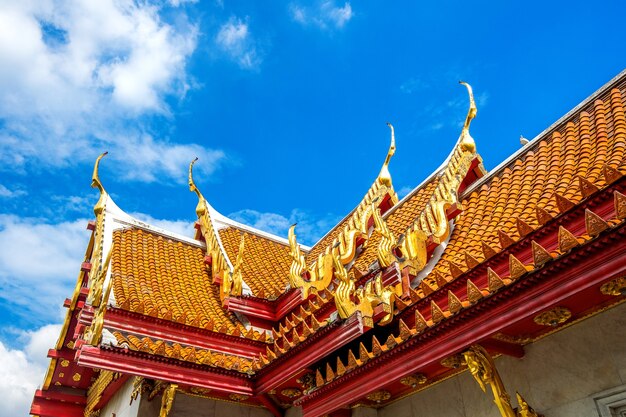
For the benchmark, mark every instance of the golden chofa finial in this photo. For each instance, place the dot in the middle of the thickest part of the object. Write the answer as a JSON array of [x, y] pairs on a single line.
[[192, 185], [95, 178], [201, 207], [95, 183], [384, 177], [467, 143]]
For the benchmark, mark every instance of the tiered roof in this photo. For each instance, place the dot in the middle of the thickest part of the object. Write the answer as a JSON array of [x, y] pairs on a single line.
[[276, 323]]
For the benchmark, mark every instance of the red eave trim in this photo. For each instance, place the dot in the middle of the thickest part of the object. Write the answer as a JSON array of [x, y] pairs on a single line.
[[155, 328], [252, 307], [60, 396], [55, 404], [584, 268], [269, 311], [134, 363], [288, 302], [309, 352]]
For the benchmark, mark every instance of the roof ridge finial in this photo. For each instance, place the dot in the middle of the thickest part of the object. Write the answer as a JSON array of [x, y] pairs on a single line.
[[192, 184], [467, 143], [95, 177], [385, 177], [471, 113]]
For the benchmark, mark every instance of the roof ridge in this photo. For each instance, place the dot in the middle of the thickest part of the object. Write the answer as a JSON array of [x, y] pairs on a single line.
[[228, 222]]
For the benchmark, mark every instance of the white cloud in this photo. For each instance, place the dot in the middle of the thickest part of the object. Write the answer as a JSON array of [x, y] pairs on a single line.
[[234, 39], [41, 257], [325, 14], [6, 193], [22, 371], [79, 77], [309, 229], [182, 227], [402, 192]]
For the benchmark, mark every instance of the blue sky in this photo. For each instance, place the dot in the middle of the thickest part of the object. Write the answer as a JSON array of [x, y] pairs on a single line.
[[285, 104]]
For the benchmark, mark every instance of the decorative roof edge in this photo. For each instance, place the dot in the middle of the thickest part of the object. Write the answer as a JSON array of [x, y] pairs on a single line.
[[533, 143], [382, 179]]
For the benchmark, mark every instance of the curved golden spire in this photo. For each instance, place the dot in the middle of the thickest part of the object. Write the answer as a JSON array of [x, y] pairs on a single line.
[[385, 177], [192, 185], [467, 143], [95, 178]]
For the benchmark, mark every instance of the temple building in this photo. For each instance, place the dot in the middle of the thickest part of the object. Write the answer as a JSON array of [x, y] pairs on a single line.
[[479, 294]]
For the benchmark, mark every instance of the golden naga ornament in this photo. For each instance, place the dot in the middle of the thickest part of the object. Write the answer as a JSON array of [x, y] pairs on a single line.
[[167, 401], [218, 259], [432, 223], [233, 282], [483, 369], [95, 275]]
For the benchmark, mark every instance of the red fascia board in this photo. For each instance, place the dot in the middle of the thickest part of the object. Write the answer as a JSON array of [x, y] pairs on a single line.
[[309, 352], [155, 328], [51, 408], [61, 354], [251, 307], [136, 363], [288, 302], [583, 269], [61, 396], [268, 311]]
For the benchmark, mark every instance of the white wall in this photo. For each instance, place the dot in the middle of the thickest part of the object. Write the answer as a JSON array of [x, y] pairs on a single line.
[[120, 403]]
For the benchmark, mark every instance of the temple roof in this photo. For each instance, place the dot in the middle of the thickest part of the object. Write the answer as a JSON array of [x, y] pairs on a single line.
[[210, 302], [266, 262], [164, 278]]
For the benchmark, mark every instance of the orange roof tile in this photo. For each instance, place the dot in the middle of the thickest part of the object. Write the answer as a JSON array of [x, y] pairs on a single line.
[[157, 276], [544, 176], [265, 262]]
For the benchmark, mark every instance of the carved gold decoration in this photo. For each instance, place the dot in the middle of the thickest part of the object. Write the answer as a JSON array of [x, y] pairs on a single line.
[[199, 391], [384, 177], [454, 361], [307, 381], [379, 396], [553, 317], [238, 397], [387, 242], [320, 274], [433, 222], [291, 392], [214, 250], [233, 284], [93, 333], [61, 375], [524, 409], [167, 400], [483, 369], [96, 277], [614, 287], [414, 380], [65, 363], [619, 202], [355, 233], [76, 377], [94, 394], [594, 224]]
